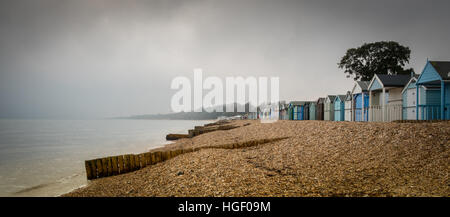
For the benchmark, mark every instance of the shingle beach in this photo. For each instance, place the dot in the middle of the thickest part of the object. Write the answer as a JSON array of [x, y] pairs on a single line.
[[318, 158]]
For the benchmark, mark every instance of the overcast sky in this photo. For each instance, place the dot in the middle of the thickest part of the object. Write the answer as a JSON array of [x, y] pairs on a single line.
[[107, 58]]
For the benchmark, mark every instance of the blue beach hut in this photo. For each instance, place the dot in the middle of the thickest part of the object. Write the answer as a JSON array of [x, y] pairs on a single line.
[[297, 108], [339, 108], [361, 101], [434, 98]]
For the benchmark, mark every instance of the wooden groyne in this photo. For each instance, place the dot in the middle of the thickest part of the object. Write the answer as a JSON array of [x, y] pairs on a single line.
[[207, 128], [115, 165]]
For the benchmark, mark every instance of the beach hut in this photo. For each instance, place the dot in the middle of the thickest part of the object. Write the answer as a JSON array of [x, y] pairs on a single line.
[[360, 104], [298, 109], [306, 111], [385, 97], [312, 110], [319, 109], [409, 102], [348, 116], [328, 108], [290, 113], [433, 87], [339, 107]]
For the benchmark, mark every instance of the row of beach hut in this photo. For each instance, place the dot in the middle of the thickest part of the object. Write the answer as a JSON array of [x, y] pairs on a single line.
[[385, 98]]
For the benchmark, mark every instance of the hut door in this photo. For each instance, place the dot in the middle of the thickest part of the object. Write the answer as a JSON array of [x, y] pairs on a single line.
[[411, 104]]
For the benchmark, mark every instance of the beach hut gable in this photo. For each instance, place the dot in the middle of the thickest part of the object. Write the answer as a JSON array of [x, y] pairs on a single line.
[[360, 86], [429, 74], [411, 84], [375, 83], [348, 96]]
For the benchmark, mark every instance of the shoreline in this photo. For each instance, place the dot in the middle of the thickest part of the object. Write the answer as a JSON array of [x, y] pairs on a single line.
[[23, 175], [319, 158], [161, 146]]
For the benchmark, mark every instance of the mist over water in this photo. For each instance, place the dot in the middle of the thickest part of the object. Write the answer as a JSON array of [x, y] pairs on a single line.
[[46, 157]]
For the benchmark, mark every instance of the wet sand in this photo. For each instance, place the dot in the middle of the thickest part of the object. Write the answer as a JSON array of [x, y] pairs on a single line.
[[319, 158]]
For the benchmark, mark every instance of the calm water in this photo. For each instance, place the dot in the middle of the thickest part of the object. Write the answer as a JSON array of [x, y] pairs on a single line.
[[46, 157]]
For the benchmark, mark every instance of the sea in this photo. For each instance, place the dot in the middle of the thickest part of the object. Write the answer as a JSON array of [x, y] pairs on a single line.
[[46, 157]]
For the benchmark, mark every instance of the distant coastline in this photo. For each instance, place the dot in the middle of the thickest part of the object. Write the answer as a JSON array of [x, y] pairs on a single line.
[[204, 115], [184, 116]]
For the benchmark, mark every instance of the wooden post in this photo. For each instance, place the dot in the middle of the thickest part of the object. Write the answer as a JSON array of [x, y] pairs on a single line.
[[132, 162], [99, 168], [89, 174], [109, 163], [126, 163], [120, 164], [115, 170], [152, 158], [147, 158], [160, 156], [93, 169], [137, 159], [105, 167]]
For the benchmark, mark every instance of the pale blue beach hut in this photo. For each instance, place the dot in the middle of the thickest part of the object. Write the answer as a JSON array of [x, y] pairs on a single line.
[[328, 108], [409, 94], [434, 99], [312, 110], [339, 108]]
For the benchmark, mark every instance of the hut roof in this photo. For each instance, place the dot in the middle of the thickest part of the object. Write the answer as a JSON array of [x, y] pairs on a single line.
[[348, 96], [297, 103], [394, 80], [443, 68], [331, 97], [364, 85], [340, 97]]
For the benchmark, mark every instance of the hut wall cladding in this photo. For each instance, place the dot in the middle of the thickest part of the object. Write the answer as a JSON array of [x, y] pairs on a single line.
[[115, 165]]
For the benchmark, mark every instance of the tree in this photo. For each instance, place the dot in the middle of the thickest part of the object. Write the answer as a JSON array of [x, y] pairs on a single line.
[[384, 57]]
